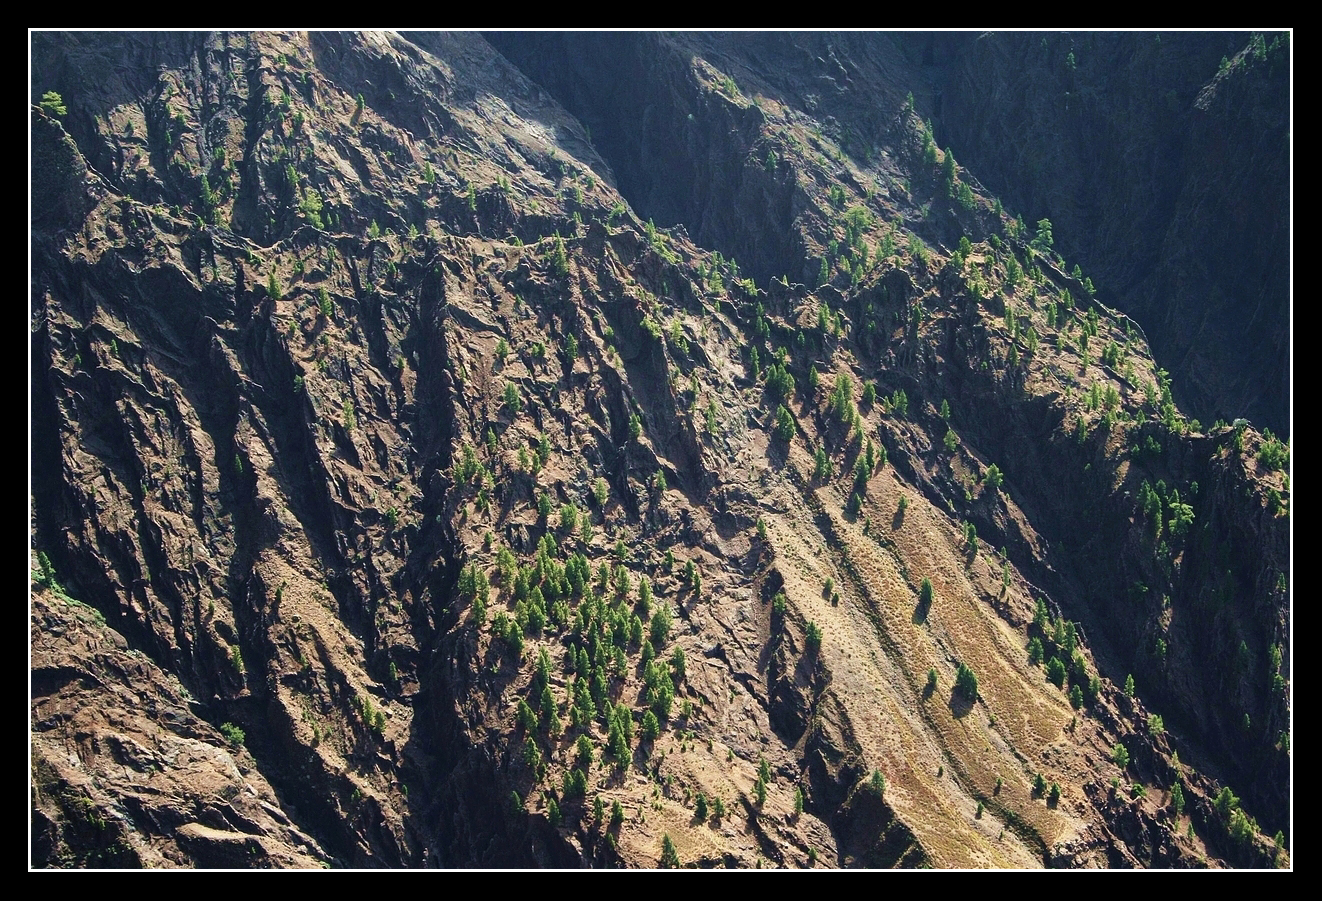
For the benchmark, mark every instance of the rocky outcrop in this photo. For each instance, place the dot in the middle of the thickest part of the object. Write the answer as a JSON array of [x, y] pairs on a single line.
[[125, 773]]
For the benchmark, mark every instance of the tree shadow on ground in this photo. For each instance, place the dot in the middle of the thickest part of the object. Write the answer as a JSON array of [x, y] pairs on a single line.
[[960, 703]]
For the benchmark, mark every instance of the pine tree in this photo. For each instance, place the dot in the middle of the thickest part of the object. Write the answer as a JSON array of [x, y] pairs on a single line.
[[1035, 650], [669, 856], [966, 683], [53, 104], [559, 259], [513, 402], [651, 727], [812, 637]]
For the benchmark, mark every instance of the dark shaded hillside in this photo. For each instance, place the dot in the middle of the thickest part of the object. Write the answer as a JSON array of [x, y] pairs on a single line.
[[1167, 180], [1165, 177]]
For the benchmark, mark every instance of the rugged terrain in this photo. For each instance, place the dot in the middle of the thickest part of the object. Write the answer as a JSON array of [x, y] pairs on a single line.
[[560, 450], [1163, 160]]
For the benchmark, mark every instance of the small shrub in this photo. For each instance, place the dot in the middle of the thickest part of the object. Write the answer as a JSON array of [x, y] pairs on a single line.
[[233, 734]]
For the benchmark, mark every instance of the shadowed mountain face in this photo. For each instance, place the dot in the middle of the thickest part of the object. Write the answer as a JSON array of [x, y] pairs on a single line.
[[1163, 162], [606, 450], [1164, 171]]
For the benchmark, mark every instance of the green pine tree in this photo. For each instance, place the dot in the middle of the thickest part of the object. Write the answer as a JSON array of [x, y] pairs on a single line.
[[669, 856]]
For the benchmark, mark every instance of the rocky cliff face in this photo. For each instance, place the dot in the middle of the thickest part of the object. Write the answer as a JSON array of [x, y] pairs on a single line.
[[402, 498], [1163, 162]]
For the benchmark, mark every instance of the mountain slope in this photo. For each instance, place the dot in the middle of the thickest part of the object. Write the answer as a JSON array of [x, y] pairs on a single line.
[[366, 407]]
